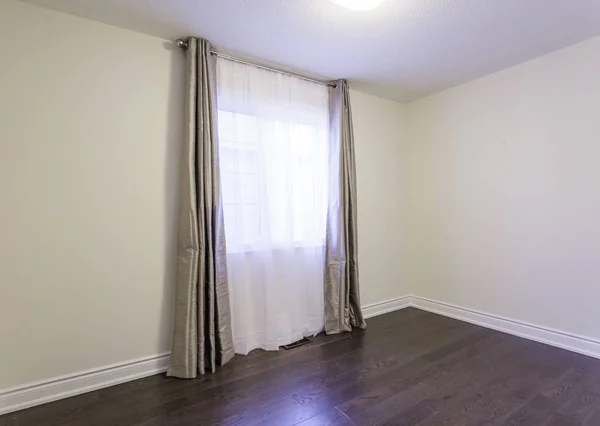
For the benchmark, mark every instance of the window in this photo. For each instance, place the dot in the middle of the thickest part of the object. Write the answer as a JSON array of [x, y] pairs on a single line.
[[273, 147]]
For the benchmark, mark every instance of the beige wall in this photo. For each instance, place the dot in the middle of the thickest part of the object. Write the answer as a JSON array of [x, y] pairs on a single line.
[[504, 192], [380, 139], [89, 146], [90, 126]]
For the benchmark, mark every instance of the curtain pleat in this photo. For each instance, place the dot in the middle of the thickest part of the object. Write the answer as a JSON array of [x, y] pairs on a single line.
[[202, 337], [342, 296]]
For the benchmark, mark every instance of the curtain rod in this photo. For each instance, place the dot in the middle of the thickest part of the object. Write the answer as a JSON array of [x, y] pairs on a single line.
[[183, 44]]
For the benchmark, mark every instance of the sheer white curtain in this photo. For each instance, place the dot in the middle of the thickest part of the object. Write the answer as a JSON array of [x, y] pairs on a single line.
[[273, 146]]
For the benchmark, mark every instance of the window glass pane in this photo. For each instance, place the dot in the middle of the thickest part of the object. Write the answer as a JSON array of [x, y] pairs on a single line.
[[249, 189], [273, 145]]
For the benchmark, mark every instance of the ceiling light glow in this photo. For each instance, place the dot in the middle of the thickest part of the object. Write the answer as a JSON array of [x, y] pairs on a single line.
[[359, 4]]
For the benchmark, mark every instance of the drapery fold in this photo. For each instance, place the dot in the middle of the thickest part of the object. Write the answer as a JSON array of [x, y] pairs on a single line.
[[342, 297], [202, 337]]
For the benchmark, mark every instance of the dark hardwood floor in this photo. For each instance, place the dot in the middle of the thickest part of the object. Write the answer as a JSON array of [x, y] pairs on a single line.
[[408, 368]]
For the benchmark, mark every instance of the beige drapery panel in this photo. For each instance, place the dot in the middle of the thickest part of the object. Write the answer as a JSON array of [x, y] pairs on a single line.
[[202, 337], [342, 298]]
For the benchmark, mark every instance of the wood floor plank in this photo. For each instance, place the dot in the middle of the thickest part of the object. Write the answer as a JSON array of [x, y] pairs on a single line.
[[331, 417], [414, 415], [488, 405], [560, 420], [342, 378], [408, 368], [366, 411], [585, 401]]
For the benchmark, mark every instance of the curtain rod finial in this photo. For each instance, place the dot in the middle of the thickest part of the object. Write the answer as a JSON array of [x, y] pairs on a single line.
[[181, 43]]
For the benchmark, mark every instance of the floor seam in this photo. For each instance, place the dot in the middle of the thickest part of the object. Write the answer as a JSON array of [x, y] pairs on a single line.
[[345, 415]]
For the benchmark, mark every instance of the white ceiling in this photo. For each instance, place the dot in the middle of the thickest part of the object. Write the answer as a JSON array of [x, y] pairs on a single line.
[[403, 50]]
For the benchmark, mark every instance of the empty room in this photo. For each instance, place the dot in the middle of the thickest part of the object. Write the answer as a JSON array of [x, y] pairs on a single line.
[[299, 212]]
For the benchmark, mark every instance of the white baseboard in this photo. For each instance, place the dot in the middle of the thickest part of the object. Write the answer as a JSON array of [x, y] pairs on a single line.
[[38, 393], [572, 342], [385, 307], [560, 339], [86, 381]]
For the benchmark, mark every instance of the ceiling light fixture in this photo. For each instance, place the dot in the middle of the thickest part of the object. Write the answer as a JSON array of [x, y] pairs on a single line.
[[359, 4]]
